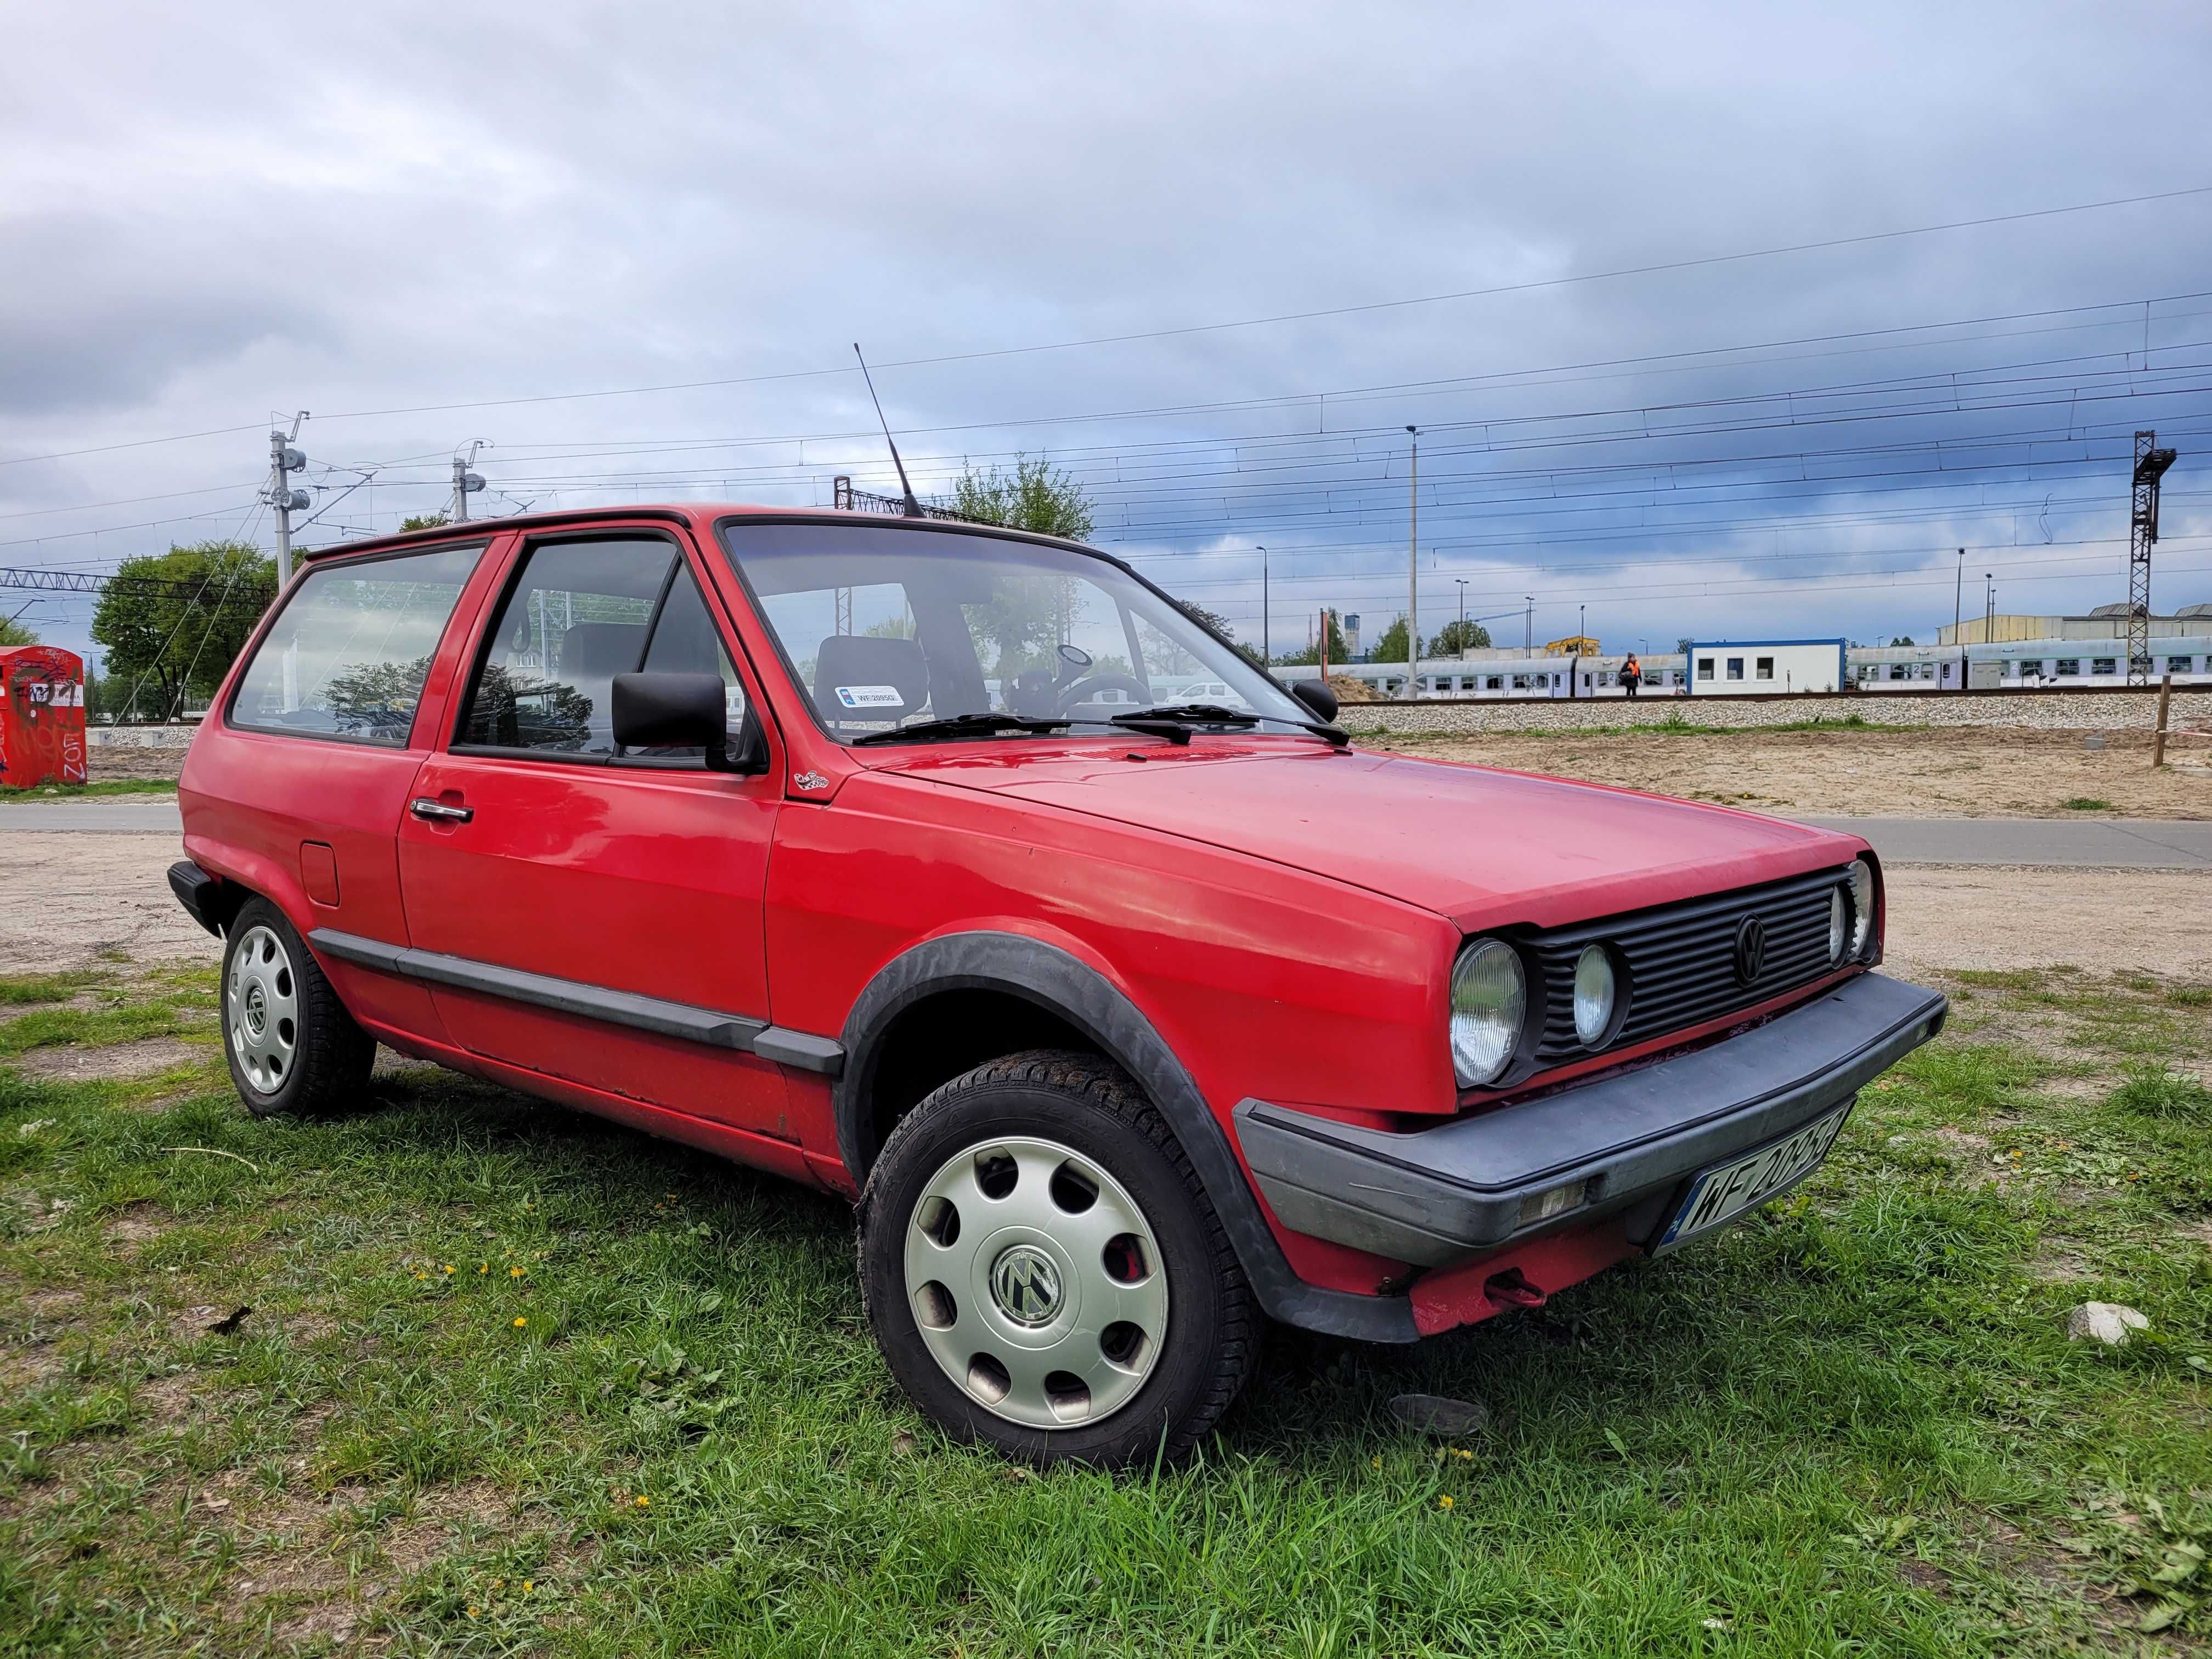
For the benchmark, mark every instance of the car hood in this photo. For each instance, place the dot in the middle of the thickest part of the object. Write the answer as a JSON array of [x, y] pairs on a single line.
[[1483, 847]]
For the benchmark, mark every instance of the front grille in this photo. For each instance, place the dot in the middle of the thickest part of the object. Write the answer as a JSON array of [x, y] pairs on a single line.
[[1680, 959]]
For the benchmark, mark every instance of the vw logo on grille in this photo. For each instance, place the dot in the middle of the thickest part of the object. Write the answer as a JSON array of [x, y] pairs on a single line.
[[1750, 949], [1026, 1284]]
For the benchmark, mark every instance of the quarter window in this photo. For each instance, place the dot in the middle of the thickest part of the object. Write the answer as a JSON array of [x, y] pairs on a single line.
[[1736, 668], [1705, 668], [1765, 668], [348, 655], [581, 613]]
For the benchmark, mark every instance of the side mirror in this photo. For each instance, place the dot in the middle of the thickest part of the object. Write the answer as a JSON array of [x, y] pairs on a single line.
[[685, 711], [1318, 698]]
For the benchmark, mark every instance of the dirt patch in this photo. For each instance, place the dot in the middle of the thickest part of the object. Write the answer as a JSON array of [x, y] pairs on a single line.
[[440, 1515], [70, 896], [108, 760], [1929, 772], [149, 1057], [1992, 917]]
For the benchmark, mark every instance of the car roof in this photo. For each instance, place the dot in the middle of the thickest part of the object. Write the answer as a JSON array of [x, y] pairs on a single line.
[[699, 515]]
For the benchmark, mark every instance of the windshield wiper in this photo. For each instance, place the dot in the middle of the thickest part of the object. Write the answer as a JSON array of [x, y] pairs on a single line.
[[962, 725], [1176, 720]]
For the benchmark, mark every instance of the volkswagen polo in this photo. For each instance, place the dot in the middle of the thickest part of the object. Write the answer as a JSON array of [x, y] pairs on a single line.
[[962, 873]]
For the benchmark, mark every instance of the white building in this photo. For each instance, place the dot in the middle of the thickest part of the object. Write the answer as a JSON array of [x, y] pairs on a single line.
[[1751, 665]]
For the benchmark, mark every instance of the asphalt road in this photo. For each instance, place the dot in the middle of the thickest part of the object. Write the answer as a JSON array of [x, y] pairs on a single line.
[[2103, 843]]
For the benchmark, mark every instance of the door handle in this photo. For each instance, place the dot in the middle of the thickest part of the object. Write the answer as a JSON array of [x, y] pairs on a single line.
[[438, 812]]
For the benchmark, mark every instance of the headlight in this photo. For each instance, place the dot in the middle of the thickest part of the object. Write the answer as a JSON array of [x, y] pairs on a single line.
[[1839, 917], [1594, 994], [1489, 999], [1861, 906]]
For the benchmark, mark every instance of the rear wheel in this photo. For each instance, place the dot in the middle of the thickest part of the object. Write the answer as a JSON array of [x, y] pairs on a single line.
[[292, 1047], [1044, 1272]]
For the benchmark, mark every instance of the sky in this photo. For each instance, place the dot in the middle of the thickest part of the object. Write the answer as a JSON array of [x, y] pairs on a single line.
[[1170, 248]]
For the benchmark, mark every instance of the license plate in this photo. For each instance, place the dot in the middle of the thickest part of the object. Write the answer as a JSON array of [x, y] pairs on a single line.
[[1720, 1195]]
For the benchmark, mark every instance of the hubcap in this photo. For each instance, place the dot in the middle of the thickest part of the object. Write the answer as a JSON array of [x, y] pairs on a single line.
[[1037, 1283], [261, 1009]]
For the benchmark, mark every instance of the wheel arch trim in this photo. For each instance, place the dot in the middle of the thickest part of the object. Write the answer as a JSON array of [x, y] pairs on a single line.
[[1054, 980]]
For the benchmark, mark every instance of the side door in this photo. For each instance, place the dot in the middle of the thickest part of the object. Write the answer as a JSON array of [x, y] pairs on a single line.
[[297, 792], [595, 914]]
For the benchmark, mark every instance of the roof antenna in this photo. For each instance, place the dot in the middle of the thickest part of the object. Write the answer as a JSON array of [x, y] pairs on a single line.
[[913, 506]]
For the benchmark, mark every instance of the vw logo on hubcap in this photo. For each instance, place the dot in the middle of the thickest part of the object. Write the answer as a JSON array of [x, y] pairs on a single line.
[[1750, 949], [257, 1011], [1026, 1284]]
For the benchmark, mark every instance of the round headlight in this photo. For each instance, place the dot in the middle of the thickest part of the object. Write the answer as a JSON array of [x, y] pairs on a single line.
[[1839, 917], [1489, 999], [1861, 906], [1594, 994]]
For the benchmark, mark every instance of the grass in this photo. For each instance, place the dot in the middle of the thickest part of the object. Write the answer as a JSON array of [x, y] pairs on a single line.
[[79, 791], [515, 1381], [2085, 803]]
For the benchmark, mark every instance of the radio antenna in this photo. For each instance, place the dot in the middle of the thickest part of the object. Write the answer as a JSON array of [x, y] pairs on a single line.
[[913, 506]]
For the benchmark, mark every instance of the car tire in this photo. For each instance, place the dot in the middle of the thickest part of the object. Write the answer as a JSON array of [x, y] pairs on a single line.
[[293, 1049], [1087, 1282]]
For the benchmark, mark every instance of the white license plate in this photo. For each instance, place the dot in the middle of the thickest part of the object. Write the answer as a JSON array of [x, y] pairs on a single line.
[[1720, 1195]]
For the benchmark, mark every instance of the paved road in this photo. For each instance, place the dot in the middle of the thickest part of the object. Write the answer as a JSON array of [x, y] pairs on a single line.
[[156, 815], [2110, 843]]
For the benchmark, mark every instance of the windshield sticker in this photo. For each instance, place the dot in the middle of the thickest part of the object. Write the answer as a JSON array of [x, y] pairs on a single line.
[[871, 696]]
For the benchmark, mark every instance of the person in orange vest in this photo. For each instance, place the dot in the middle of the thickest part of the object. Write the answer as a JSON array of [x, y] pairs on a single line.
[[1632, 676]]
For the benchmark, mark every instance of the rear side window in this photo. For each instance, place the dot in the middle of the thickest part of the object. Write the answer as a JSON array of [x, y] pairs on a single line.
[[581, 613], [347, 656]]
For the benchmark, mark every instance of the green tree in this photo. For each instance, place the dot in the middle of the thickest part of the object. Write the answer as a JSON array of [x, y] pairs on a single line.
[[14, 633], [1901, 640], [172, 622], [1388, 645], [1035, 497], [424, 521], [1456, 636]]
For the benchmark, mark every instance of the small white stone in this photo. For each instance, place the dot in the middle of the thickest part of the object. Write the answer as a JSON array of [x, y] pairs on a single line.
[[2108, 1323]]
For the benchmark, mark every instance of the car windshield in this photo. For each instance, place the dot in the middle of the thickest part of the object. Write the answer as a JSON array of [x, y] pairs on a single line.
[[886, 626]]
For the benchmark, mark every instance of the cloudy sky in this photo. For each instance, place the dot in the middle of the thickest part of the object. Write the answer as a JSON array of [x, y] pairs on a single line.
[[629, 257]]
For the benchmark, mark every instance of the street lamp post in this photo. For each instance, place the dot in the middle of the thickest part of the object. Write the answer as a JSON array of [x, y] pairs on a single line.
[[1528, 625], [1413, 570], [1267, 650]]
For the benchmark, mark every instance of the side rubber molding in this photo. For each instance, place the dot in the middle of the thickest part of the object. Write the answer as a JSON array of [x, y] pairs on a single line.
[[199, 892], [1054, 980], [709, 1026], [1479, 1183]]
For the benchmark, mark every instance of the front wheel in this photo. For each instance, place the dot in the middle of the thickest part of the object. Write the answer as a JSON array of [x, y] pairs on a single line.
[[1044, 1272], [292, 1047]]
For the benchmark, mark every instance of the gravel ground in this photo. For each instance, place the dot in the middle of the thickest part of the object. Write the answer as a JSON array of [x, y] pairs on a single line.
[[2135, 711]]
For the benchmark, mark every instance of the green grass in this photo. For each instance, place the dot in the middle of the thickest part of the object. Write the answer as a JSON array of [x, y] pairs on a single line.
[[2085, 803], [1852, 1425], [78, 791]]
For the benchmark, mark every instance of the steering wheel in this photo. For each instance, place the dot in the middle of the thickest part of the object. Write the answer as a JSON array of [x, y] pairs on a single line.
[[1082, 691]]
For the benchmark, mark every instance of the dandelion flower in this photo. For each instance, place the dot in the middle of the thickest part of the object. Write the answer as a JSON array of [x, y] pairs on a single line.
[[449, 1267], [1460, 1452], [472, 1613], [1444, 1503], [1377, 1461], [643, 1502], [483, 1266], [528, 1586], [520, 1322], [498, 1583], [515, 1273]]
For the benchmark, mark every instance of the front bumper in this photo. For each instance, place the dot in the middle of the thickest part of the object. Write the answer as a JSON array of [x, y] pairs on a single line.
[[1433, 1196]]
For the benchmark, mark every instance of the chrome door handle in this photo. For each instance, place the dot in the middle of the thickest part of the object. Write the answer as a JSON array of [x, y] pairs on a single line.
[[437, 810]]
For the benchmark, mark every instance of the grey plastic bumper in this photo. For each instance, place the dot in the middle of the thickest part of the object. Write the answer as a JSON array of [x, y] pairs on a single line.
[[1441, 1195]]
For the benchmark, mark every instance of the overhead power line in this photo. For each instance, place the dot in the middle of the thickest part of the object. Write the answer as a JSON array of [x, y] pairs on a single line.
[[1651, 268]]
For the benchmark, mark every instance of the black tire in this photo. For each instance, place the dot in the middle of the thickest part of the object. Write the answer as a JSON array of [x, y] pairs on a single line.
[[270, 979], [1082, 1103]]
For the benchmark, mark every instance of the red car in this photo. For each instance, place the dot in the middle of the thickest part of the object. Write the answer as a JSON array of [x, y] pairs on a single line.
[[930, 864]]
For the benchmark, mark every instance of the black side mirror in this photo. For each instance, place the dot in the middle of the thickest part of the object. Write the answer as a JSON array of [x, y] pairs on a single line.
[[1317, 697], [685, 711]]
